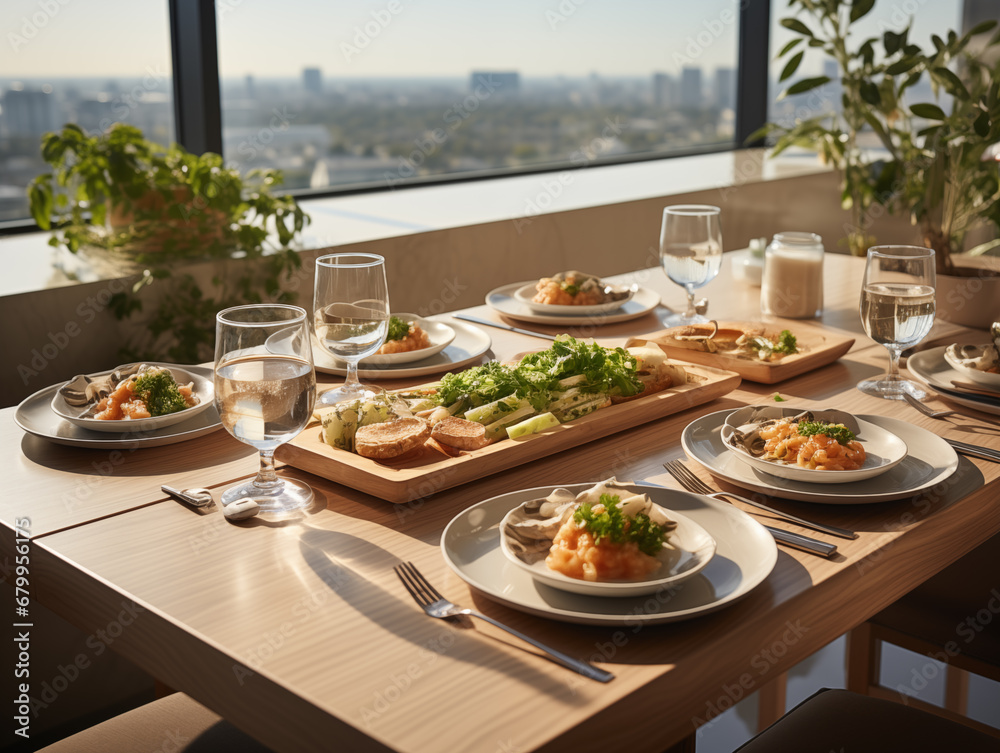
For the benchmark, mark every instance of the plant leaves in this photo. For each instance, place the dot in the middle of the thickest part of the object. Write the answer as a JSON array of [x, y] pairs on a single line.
[[981, 125], [790, 67], [870, 93], [797, 26], [902, 66], [928, 111], [861, 8], [952, 83], [804, 85], [788, 47], [892, 42]]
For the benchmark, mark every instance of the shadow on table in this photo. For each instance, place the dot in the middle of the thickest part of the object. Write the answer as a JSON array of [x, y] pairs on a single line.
[[340, 559], [194, 454]]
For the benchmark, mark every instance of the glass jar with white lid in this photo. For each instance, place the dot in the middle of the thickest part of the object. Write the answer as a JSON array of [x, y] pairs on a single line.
[[792, 282]]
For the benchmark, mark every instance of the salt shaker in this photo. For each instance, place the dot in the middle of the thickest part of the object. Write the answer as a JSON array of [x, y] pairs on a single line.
[[792, 283]]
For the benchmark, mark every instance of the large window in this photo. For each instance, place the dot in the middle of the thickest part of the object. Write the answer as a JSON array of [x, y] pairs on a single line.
[[90, 63], [387, 91]]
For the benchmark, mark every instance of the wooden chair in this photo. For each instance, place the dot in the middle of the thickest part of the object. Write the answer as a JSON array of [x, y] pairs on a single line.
[[954, 618], [175, 723], [838, 720]]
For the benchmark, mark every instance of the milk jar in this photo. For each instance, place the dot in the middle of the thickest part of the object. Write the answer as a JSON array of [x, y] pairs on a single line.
[[792, 284]]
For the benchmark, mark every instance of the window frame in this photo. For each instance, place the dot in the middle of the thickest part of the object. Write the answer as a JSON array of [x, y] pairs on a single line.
[[198, 102]]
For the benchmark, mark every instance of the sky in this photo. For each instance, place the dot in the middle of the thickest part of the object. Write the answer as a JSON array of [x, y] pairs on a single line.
[[361, 38]]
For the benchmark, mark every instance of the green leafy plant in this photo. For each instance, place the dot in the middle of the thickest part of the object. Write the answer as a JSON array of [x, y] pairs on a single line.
[[931, 166], [154, 207]]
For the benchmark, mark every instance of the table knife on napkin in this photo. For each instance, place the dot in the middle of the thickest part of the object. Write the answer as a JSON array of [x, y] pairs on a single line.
[[498, 325]]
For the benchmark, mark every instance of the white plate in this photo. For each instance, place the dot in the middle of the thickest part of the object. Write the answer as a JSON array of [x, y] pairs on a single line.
[[439, 334], [691, 550], [469, 345], [204, 390], [502, 300], [745, 556], [985, 378], [526, 293], [929, 461], [883, 449], [930, 368], [34, 415]]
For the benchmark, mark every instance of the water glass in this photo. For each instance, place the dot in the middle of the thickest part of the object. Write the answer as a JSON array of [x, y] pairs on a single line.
[[897, 311], [691, 252], [265, 390]]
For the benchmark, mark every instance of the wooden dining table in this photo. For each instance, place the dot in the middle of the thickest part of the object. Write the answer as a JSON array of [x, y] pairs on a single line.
[[300, 633]]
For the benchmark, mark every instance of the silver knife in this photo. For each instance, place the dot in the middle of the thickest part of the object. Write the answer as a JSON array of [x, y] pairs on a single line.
[[974, 450], [805, 543], [498, 325]]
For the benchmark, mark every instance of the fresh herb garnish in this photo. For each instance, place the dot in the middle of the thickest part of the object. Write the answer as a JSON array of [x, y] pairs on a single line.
[[398, 329], [778, 398], [786, 343], [570, 288], [158, 390], [841, 433], [613, 525]]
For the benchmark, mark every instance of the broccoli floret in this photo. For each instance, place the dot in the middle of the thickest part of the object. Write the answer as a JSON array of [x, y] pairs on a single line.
[[159, 392]]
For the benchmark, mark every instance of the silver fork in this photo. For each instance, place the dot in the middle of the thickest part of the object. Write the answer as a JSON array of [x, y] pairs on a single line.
[[931, 413], [694, 484], [437, 606]]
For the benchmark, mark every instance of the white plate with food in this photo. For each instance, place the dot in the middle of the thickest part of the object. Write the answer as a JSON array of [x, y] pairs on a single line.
[[142, 397], [469, 345], [744, 557], [930, 367], [980, 363], [929, 460], [574, 293], [817, 447], [505, 301], [35, 416], [604, 541], [411, 338]]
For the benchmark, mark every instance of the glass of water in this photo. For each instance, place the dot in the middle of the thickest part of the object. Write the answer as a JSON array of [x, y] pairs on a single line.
[[897, 310], [691, 252], [351, 314], [265, 390]]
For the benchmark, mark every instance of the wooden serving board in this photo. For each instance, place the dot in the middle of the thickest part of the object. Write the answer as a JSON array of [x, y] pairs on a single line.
[[818, 348], [427, 471]]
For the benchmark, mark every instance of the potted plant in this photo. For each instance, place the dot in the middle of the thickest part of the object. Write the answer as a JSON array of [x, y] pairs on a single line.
[[931, 163], [146, 208]]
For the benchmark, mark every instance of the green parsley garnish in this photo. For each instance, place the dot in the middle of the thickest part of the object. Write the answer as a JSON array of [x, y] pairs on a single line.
[[570, 288], [835, 431], [159, 392], [613, 525], [398, 329], [778, 398], [786, 343]]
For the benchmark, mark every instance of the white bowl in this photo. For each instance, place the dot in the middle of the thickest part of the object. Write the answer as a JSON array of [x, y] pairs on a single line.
[[883, 449], [984, 378], [204, 390], [695, 546], [525, 293]]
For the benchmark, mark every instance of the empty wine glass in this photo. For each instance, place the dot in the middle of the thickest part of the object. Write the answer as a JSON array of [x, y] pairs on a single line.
[[691, 252], [265, 389], [351, 310], [897, 310]]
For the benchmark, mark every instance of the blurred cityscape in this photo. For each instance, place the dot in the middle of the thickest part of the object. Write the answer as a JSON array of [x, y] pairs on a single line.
[[324, 133], [335, 133]]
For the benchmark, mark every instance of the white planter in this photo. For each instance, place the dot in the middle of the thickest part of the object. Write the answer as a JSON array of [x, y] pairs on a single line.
[[970, 301]]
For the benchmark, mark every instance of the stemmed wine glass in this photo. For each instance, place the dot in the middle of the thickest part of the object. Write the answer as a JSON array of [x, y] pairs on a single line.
[[897, 310], [351, 310], [691, 252], [265, 389]]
